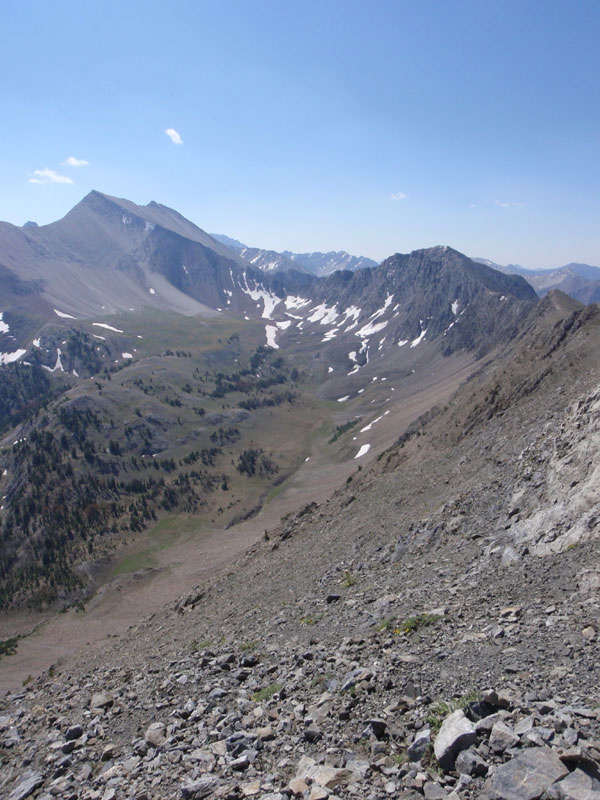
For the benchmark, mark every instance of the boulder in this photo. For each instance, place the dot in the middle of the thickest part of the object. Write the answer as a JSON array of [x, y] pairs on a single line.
[[457, 733], [526, 776]]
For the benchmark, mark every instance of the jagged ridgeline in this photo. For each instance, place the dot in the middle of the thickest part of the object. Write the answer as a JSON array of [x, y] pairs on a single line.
[[99, 459]]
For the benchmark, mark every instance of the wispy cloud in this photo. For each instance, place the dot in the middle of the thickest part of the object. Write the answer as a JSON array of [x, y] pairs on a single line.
[[75, 162], [48, 176], [507, 204], [398, 196], [174, 136]]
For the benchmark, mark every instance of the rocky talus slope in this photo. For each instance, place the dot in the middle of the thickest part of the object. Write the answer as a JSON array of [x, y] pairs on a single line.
[[430, 631]]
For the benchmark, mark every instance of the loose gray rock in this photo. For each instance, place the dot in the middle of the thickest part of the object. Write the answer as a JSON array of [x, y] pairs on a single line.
[[419, 745], [26, 787], [155, 734], [102, 700], [502, 738], [526, 776], [471, 763], [457, 733], [578, 785], [196, 790]]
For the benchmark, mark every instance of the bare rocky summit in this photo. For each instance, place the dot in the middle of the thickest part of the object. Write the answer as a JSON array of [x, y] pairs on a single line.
[[429, 631]]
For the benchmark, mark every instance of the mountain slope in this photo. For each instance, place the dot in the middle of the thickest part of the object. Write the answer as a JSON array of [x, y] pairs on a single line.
[[108, 254], [347, 637]]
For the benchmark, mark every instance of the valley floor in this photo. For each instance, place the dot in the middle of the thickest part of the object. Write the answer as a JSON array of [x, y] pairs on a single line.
[[194, 552]]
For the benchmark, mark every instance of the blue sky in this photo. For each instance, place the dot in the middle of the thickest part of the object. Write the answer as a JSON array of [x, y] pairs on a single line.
[[375, 127]]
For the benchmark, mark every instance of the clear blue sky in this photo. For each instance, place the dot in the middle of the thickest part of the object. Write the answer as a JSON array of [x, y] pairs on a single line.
[[375, 127]]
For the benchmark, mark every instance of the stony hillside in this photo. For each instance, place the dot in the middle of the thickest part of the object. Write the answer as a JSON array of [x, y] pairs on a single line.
[[430, 631]]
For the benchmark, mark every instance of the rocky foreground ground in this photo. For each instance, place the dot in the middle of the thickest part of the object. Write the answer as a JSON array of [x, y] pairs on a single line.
[[430, 631]]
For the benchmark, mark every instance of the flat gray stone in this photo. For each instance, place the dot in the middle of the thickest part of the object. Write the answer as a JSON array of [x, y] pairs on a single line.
[[196, 790], [502, 738], [578, 785], [527, 776], [102, 700], [471, 763], [26, 787]]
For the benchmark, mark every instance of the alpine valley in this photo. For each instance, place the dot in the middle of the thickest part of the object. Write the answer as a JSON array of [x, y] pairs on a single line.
[[274, 528]]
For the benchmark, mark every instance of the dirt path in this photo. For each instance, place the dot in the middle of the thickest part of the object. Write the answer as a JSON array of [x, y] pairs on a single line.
[[128, 598]]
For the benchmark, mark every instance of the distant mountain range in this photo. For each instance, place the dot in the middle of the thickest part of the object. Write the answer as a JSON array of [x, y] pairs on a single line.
[[316, 263], [109, 255], [580, 281]]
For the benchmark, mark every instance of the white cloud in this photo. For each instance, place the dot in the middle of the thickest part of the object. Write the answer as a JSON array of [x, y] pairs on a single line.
[[398, 196], [48, 176], [174, 136], [505, 204], [75, 162]]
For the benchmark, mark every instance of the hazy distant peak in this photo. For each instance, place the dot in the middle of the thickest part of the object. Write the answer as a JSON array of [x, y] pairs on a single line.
[[235, 244]]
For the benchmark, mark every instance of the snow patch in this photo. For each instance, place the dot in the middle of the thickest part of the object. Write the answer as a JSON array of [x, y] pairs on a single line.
[[185, 269], [36, 343], [107, 327], [363, 450], [370, 425], [454, 307], [419, 338], [370, 328], [323, 314], [58, 365], [271, 331], [151, 291], [343, 399], [269, 300], [329, 369], [7, 358], [3, 326], [63, 315], [126, 355], [293, 301], [97, 336], [352, 312]]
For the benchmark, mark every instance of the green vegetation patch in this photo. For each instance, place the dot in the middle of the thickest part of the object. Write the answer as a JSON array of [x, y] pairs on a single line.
[[340, 430], [8, 647], [412, 624], [266, 693], [440, 710]]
